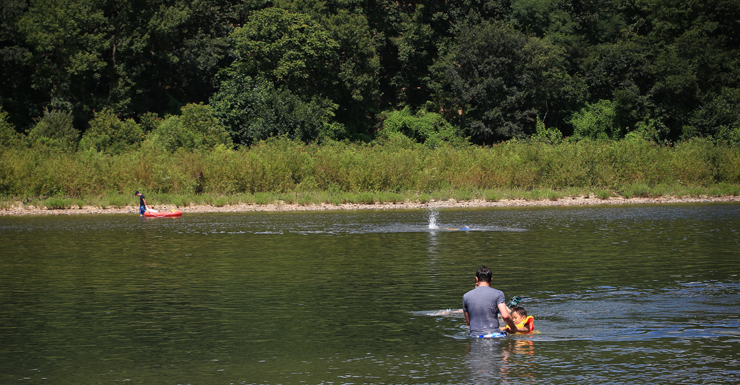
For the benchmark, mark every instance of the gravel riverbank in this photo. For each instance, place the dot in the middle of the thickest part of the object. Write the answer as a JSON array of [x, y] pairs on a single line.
[[20, 209]]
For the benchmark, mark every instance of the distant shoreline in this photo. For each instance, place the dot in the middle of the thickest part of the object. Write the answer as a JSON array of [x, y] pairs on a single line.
[[20, 210]]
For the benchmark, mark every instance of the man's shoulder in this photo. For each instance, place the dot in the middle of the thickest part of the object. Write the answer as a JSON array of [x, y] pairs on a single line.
[[467, 294]]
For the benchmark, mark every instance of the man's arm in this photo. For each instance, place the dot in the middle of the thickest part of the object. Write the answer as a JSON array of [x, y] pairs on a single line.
[[467, 318], [507, 318]]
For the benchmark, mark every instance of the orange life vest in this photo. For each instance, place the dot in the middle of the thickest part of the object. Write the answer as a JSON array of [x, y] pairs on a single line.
[[528, 322]]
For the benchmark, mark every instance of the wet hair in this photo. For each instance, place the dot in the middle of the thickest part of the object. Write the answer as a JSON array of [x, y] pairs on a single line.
[[519, 310], [484, 274]]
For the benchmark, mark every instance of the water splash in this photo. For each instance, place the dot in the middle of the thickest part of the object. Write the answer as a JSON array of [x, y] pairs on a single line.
[[433, 219]]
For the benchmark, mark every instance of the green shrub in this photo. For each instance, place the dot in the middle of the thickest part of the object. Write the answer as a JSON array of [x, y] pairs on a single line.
[[428, 128], [596, 121], [149, 122], [54, 130], [195, 128], [650, 130], [109, 134], [546, 135], [9, 137]]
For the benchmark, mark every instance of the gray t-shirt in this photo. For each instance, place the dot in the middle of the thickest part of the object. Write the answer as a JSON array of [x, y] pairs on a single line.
[[481, 304]]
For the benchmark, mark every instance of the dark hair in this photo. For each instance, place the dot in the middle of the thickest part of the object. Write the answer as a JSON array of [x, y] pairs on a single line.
[[484, 274], [519, 310]]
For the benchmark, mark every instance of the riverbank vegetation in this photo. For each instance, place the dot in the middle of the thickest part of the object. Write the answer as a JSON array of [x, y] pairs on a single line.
[[393, 170], [332, 101]]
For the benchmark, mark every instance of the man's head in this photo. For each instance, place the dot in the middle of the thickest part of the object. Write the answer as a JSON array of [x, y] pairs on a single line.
[[136, 193], [518, 314], [484, 275]]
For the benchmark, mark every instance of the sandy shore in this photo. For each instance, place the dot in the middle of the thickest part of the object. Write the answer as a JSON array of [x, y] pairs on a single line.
[[19, 209]]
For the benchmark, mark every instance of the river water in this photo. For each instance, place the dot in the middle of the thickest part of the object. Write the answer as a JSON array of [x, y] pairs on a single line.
[[620, 295]]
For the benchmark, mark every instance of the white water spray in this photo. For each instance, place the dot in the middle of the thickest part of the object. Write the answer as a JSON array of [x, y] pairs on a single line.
[[433, 219]]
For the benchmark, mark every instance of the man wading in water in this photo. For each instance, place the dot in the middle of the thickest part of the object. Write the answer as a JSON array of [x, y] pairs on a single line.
[[482, 306]]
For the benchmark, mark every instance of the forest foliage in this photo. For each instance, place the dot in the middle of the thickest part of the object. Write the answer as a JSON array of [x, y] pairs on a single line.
[[109, 76]]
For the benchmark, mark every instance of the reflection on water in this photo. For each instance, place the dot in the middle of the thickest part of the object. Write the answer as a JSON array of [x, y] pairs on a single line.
[[619, 295], [492, 360]]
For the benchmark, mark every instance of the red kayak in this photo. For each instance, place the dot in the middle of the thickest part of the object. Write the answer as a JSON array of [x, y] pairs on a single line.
[[164, 214]]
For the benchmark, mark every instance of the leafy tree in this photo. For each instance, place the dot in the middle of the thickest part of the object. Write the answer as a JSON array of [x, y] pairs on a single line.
[[109, 134], [289, 49], [719, 118], [68, 38], [672, 58], [533, 16], [497, 81], [417, 49], [254, 110], [165, 53], [358, 93], [622, 71], [130, 56], [16, 94], [322, 59]]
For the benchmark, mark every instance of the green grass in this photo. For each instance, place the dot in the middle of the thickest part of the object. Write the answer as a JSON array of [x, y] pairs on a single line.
[[604, 194], [492, 195], [423, 198], [55, 203], [117, 200]]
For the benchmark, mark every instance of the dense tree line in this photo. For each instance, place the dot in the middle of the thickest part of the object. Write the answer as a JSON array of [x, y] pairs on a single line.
[[107, 74]]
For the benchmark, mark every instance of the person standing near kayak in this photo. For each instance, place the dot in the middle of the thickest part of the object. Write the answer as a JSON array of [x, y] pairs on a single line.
[[482, 305], [142, 203]]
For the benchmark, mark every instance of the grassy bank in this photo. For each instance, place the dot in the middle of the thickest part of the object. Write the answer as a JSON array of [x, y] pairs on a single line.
[[339, 198], [291, 172]]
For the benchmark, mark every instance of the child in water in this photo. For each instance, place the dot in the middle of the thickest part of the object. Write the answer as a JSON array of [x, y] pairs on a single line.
[[521, 319]]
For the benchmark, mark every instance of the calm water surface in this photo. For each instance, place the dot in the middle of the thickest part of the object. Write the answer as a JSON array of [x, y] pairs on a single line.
[[633, 295]]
